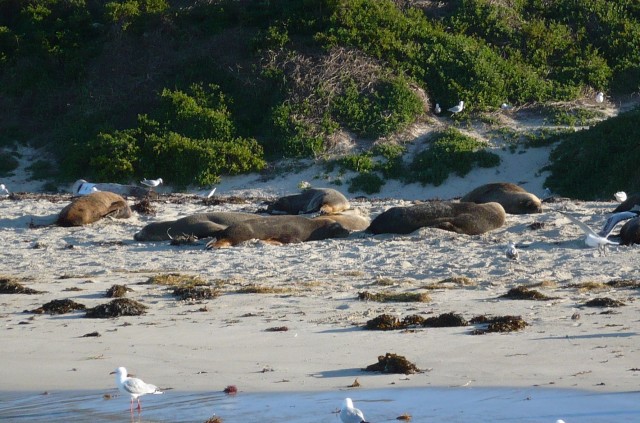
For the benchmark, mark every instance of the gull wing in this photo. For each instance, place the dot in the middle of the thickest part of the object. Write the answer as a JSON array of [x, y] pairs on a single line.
[[138, 387], [587, 230], [613, 220]]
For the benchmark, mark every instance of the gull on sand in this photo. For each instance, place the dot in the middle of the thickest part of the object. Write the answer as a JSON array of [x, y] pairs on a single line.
[[4, 191], [600, 97], [151, 182], [457, 109], [437, 109], [133, 387], [512, 252], [620, 196], [350, 414], [592, 239]]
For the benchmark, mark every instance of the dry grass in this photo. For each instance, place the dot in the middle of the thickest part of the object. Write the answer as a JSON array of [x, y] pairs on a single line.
[[395, 297], [262, 289], [176, 279], [545, 284], [590, 286]]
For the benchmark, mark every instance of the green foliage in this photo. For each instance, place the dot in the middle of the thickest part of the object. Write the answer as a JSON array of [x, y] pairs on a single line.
[[362, 163], [450, 151], [591, 164], [293, 136], [391, 166], [572, 116], [369, 183], [8, 163], [124, 13], [41, 169]]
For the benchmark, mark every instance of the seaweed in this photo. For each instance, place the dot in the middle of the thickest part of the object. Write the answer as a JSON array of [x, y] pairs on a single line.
[[393, 363], [59, 307], [144, 207], [524, 293], [498, 324], [176, 279], [118, 291], [231, 390], [388, 297], [624, 283], [277, 329], [603, 302], [384, 322], [183, 240], [11, 286], [195, 292], [116, 308], [445, 320]]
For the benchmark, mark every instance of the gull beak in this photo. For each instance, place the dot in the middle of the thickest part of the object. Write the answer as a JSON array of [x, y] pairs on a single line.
[[112, 373]]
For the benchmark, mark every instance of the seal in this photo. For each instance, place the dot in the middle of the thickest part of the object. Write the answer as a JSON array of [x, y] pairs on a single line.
[[630, 232], [628, 204], [352, 220], [200, 225], [513, 198], [462, 218], [93, 207], [311, 200], [279, 230]]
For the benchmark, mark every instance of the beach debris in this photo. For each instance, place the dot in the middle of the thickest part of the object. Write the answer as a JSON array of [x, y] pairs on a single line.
[[445, 320], [355, 384], [133, 387], [59, 307], [144, 207], [391, 297], [277, 329], [404, 417], [116, 308], [213, 419], [384, 322], [512, 252], [264, 289], [393, 363], [624, 283], [536, 226], [195, 293], [524, 293], [12, 286], [94, 334], [603, 302], [350, 414], [498, 324], [231, 390], [118, 291]]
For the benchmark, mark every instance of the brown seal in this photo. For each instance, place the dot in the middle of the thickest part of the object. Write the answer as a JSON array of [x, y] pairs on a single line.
[[630, 232], [629, 203], [513, 198], [279, 230], [462, 218], [200, 225], [351, 220], [93, 207], [311, 200]]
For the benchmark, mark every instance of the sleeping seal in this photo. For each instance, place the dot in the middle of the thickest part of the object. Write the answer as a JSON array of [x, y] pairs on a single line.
[[311, 200], [200, 225], [513, 198], [93, 207]]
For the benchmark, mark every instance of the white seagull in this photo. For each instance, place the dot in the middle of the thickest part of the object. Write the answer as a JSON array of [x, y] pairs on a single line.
[[437, 109], [512, 252], [4, 191], [505, 106], [592, 239], [151, 182], [213, 191], [457, 109], [350, 414], [600, 97], [620, 196], [616, 218], [132, 386]]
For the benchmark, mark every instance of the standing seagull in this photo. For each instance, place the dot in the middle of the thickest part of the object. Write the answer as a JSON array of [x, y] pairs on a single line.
[[350, 414], [437, 109], [512, 252], [600, 97], [4, 192], [133, 386], [457, 109], [151, 183], [592, 239]]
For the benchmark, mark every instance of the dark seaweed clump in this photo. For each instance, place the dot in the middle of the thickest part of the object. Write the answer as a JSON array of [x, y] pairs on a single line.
[[624, 283], [145, 207], [195, 292], [116, 308], [183, 240], [118, 291], [59, 307], [277, 329], [10, 286], [383, 322], [387, 297], [603, 302], [498, 324], [445, 320], [393, 363], [524, 293]]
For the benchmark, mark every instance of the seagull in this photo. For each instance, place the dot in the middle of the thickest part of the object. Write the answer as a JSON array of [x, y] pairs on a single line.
[[616, 218], [505, 106], [4, 191], [600, 97], [592, 239], [437, 109], [457, 109], [213, 191], [151, 182], [350, 414], [620, 196], [133, 386], [512, 252]]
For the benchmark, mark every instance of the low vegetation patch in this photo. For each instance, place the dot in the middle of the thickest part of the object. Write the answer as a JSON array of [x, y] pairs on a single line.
[[390, 297], [176, 279]]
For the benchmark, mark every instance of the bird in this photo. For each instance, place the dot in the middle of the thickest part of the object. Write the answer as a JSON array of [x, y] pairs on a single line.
[[505, 106], [350, 414], [512, 252], [620, 196], [151, 182], [213, 191], [4, 191], [600, 97], [616, 218], [457, 109], [132, 386], [592, 239], [437, 109]]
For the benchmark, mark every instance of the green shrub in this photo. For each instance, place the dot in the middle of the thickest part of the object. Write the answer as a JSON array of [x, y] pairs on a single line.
[[41, 169], [369, 183], [362, 163], [294, 136], [451, 151], [8, 163], [391, 166]]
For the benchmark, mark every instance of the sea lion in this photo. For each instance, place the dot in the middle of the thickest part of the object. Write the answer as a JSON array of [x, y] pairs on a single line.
[[462, 218], [629, 203], [200, 225], [311, 200], [279, 230], [351, 220], [93, 207], [513, 198], [630, 232]]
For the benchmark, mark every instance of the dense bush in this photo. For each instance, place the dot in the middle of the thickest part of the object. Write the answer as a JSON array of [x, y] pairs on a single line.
[[593, 164], [450, 151]]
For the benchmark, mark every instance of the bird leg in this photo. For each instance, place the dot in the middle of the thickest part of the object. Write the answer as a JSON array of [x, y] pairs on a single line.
[[139, 406]]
